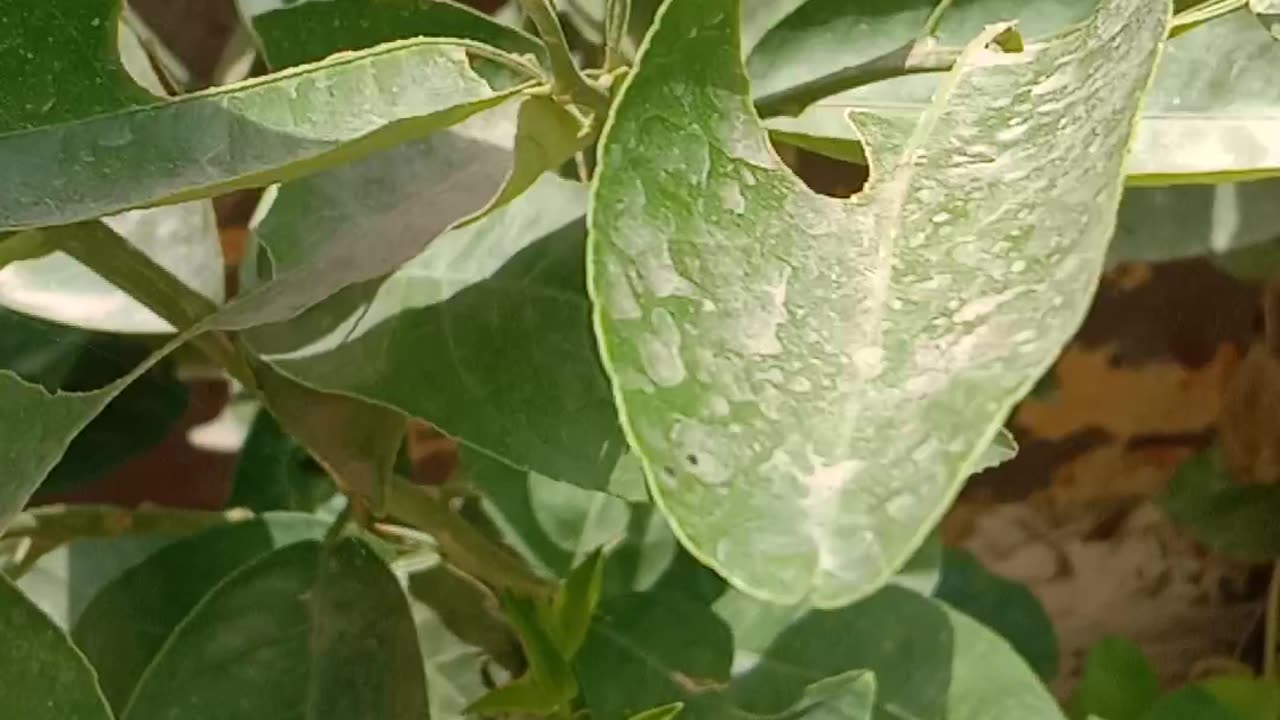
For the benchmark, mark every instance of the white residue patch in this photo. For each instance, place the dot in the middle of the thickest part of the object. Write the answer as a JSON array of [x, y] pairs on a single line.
[[980, 307]]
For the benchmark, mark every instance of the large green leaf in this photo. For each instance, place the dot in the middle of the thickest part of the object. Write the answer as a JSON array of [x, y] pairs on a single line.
[[127, 623], [754, 659], [293, 33], [360, 222], [1212, 112], [423, 338], [45, 677], [306, 631], [112, 146], [808, 381]]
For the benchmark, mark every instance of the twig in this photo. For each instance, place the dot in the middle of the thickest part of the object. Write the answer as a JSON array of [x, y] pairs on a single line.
[[66, 522], [461, 544], [567, 80], [617, 19], [922, 55]]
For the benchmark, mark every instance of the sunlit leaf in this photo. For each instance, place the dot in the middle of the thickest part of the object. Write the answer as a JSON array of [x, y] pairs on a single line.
[[808, 381], [45, 677], [306, 631], [422, 339], [73, 155], [749, 659], [1212, 112]]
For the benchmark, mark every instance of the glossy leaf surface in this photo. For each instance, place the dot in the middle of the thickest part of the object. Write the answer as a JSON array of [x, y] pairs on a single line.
[[808, 381]]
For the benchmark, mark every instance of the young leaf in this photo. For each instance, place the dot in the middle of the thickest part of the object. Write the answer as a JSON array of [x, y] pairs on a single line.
[[123, 148], [306, 631], [128, 622], [45, 677], [1211, 113], [548, 686], [569, 614], [1117, 683], [1006, 607], [808, 381], [1237, 520]]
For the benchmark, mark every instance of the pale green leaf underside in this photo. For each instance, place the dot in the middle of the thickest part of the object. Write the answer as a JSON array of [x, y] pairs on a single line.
[[1213, 111], [808, 380], [264, 130]]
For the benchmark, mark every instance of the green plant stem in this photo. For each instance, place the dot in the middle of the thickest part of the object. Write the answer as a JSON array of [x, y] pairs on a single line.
[[60, 523], [923, 55], [567, 80], [1271, 626], [617, 19], [461, 544], [112, 257], [46, 528], [106, 253]]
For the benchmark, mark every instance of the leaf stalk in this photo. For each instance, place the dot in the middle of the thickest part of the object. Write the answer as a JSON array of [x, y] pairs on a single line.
[[922, 55], [567, 80]]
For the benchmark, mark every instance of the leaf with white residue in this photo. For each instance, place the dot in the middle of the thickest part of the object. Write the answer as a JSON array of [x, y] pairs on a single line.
[[808, 380]]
